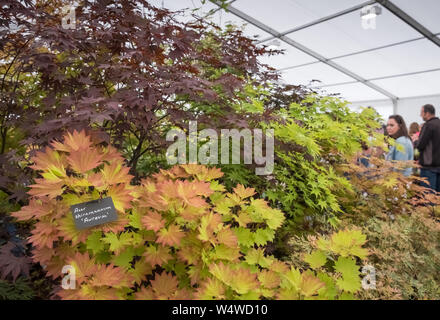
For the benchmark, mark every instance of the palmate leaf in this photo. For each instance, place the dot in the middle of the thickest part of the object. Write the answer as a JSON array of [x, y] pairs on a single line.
[[244, 281], [43, 187], [350, 280], [11, 264], [35, 208], [111, 276], [269, 279], [240, 280], [170, 236], [349, 284], [121, 196], [211, 289], [227, 236], [223, 252], [202, 173], [67, 230], [316, 259], [50, 160], [153, 221], [257, 257], [291, 280], [116, 173], [83, 265], [145, 294], [95, 242], [73, 142], [209, 224], [164, 285], [310, 284], [263, 236], [84, 160], [88, 292], [44, 234], [157, 255], [345, 243], [118, 243], [191, 192], [245, 236], [124, 258], [243, 192], [140, 271]]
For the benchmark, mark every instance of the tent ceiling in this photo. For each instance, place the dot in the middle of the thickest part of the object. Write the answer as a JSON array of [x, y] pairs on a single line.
[[324, 40]]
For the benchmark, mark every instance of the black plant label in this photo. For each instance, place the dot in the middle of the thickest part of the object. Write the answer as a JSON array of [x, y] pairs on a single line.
[[93, 213]]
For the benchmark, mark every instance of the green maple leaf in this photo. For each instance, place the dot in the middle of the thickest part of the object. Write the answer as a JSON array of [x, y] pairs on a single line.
[[95, 242], [347, 267], [118, 243], [350, 280], [135, 219], [349, 242], [256, 257], [316, 259], [274, 218], [245, 236], [292, 280], [262, 236], [224, 252], [140, 271], [103, 257], [330, 290], [124, 258], [349, 284]]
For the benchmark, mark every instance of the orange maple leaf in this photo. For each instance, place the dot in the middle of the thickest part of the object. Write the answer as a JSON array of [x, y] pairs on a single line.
[[111, 154], [153, 221], [190, 192], [116, 173], [164, 285], [84, 160], [227, 237], [44, 187], [111, 276], [145, 294], [157, 256], [49, 159], [44, 234], [121, 196], [202, 172], [83, 265], [170, 236], [243, 192], [35, 208], [73, 142]]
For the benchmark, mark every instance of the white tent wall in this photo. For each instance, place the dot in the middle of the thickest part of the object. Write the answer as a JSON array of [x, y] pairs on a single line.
[[408, 108]]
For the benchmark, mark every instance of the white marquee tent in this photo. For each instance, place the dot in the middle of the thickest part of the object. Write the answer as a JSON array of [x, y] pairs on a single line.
[[384, 54]]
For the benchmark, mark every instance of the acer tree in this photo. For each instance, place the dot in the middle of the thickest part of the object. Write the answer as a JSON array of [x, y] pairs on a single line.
[[128, 67], [179, 234]]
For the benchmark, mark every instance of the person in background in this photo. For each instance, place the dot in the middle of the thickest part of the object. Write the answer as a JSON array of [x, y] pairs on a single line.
[[428, 143], [414, 130], [396, 128]]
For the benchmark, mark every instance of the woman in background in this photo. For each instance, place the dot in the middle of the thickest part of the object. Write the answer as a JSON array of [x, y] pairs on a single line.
[[414, 131], [403, 150]]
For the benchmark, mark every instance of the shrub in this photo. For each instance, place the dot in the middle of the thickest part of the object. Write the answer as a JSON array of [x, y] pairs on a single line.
[[179, 234]]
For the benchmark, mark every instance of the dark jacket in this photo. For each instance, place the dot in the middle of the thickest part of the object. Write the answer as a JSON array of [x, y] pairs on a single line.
[[429, 144]]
